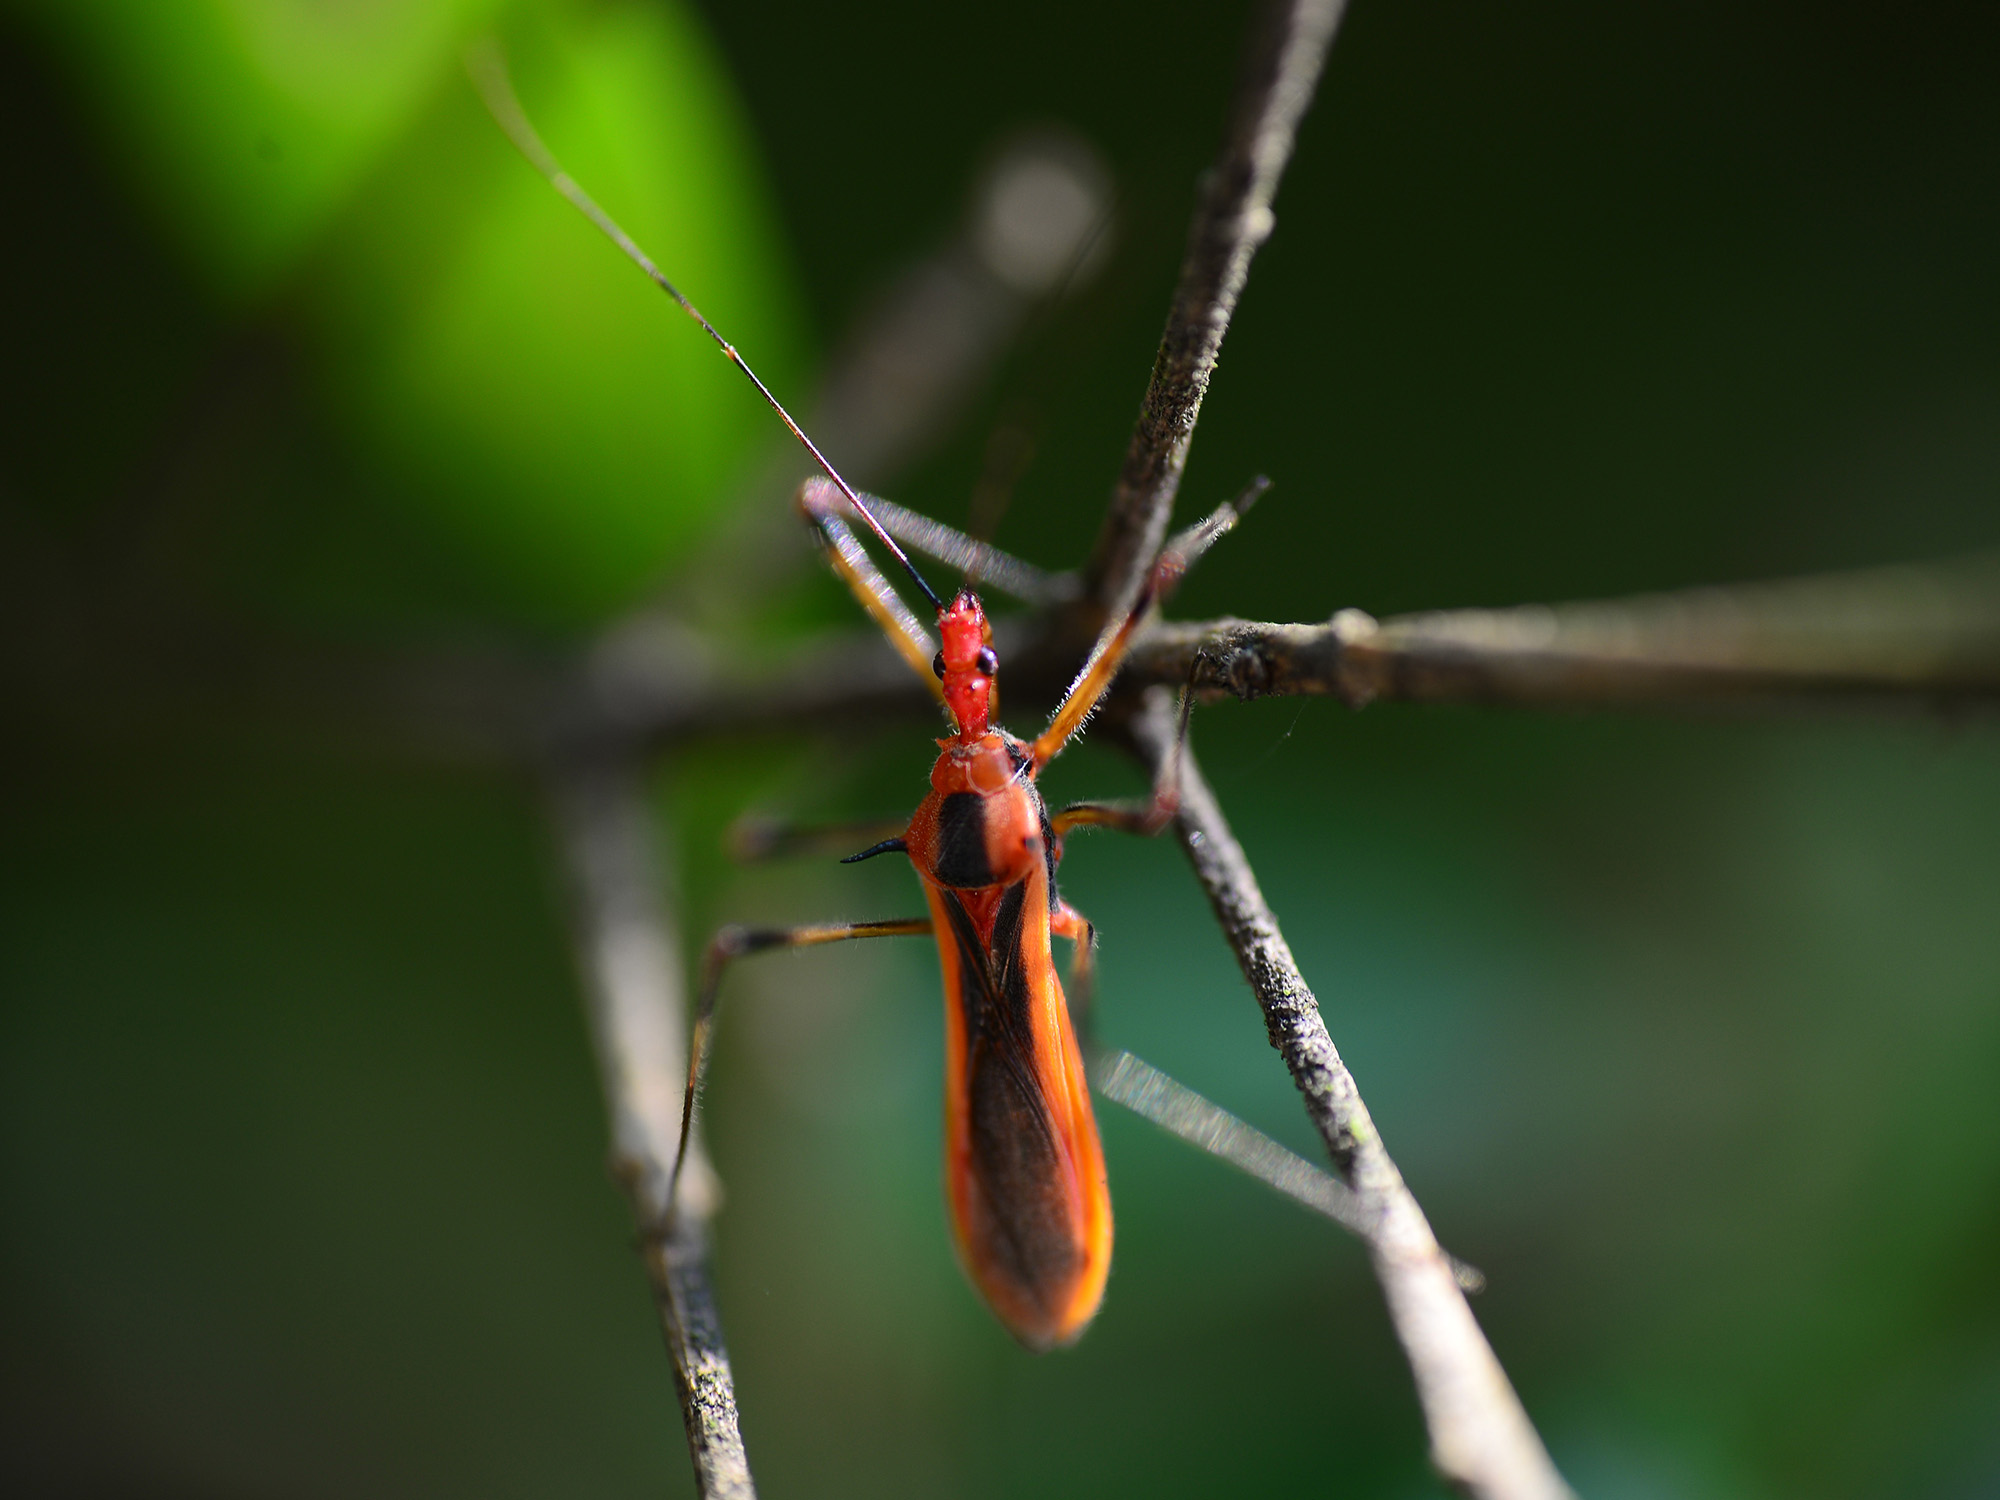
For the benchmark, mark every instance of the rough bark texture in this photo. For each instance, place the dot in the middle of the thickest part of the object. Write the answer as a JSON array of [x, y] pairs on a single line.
[[638, 1023], [1481, 1439], [1231, 221], [1919, 635]]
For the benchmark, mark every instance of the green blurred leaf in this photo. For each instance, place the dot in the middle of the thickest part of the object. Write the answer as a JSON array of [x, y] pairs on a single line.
[[499, 375], [521, 384], [249, 122]]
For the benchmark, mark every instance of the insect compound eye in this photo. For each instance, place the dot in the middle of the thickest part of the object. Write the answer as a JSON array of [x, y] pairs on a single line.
[[937, 665], [987, 662]]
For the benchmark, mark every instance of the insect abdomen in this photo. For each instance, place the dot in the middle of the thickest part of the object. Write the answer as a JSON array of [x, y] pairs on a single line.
[[1024, 1171]]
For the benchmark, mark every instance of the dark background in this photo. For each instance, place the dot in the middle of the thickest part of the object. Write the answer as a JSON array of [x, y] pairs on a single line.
[[1684, 1029]]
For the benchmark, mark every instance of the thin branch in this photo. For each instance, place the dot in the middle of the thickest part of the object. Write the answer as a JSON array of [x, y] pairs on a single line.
[[1481, 1439], [905, 371], [1177, 1109], [632, 971], [1920, 638], [1231, 221], [982, 564], [1930, 635], [654, 680]]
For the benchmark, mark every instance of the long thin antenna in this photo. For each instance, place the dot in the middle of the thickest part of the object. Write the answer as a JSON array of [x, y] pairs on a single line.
[[488, 67]]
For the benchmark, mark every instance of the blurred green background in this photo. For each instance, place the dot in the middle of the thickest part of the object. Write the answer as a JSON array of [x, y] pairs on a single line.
[[1686, 1030]]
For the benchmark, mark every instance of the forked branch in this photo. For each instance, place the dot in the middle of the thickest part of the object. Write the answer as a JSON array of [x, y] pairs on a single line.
[[1231, 221], [1481, 1439], [638, 1021], [1917, 636], [1671, 648]]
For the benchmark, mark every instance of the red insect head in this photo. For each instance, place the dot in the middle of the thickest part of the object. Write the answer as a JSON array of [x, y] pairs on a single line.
[[967, 664]]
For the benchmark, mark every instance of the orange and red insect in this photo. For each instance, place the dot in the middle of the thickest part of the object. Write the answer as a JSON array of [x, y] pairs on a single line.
[[1024, 1169]]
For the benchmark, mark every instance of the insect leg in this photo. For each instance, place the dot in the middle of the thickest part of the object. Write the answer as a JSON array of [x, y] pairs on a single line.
[[753, 837], [737, 942], [1109, 653], [827, 509], [1067, 922], [1145, 818]]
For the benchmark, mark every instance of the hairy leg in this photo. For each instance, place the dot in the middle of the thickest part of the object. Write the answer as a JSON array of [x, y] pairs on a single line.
[[732, 943], [1108, 655]]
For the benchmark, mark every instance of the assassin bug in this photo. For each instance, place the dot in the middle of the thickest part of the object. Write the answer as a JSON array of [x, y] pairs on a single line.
[[1024, 1170], [1024, 1167]]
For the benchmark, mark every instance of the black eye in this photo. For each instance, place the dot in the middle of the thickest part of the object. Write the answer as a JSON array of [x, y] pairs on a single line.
[[937, 665], [987, 662]]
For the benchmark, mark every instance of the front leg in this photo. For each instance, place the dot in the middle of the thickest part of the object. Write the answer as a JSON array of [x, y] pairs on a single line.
[[1145, 818]]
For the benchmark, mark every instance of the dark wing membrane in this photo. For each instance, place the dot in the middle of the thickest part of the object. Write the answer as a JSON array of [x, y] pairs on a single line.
[[1030, 1237], [961, 843]]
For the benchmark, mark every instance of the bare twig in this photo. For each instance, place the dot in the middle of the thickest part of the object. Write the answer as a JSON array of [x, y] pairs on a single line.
[[1923, 636], [1917, 637], [1180, 1111], [1231, 221], [632, 972], [1481, 1439], [1929, 635], [1897, 633], [918, 353]]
